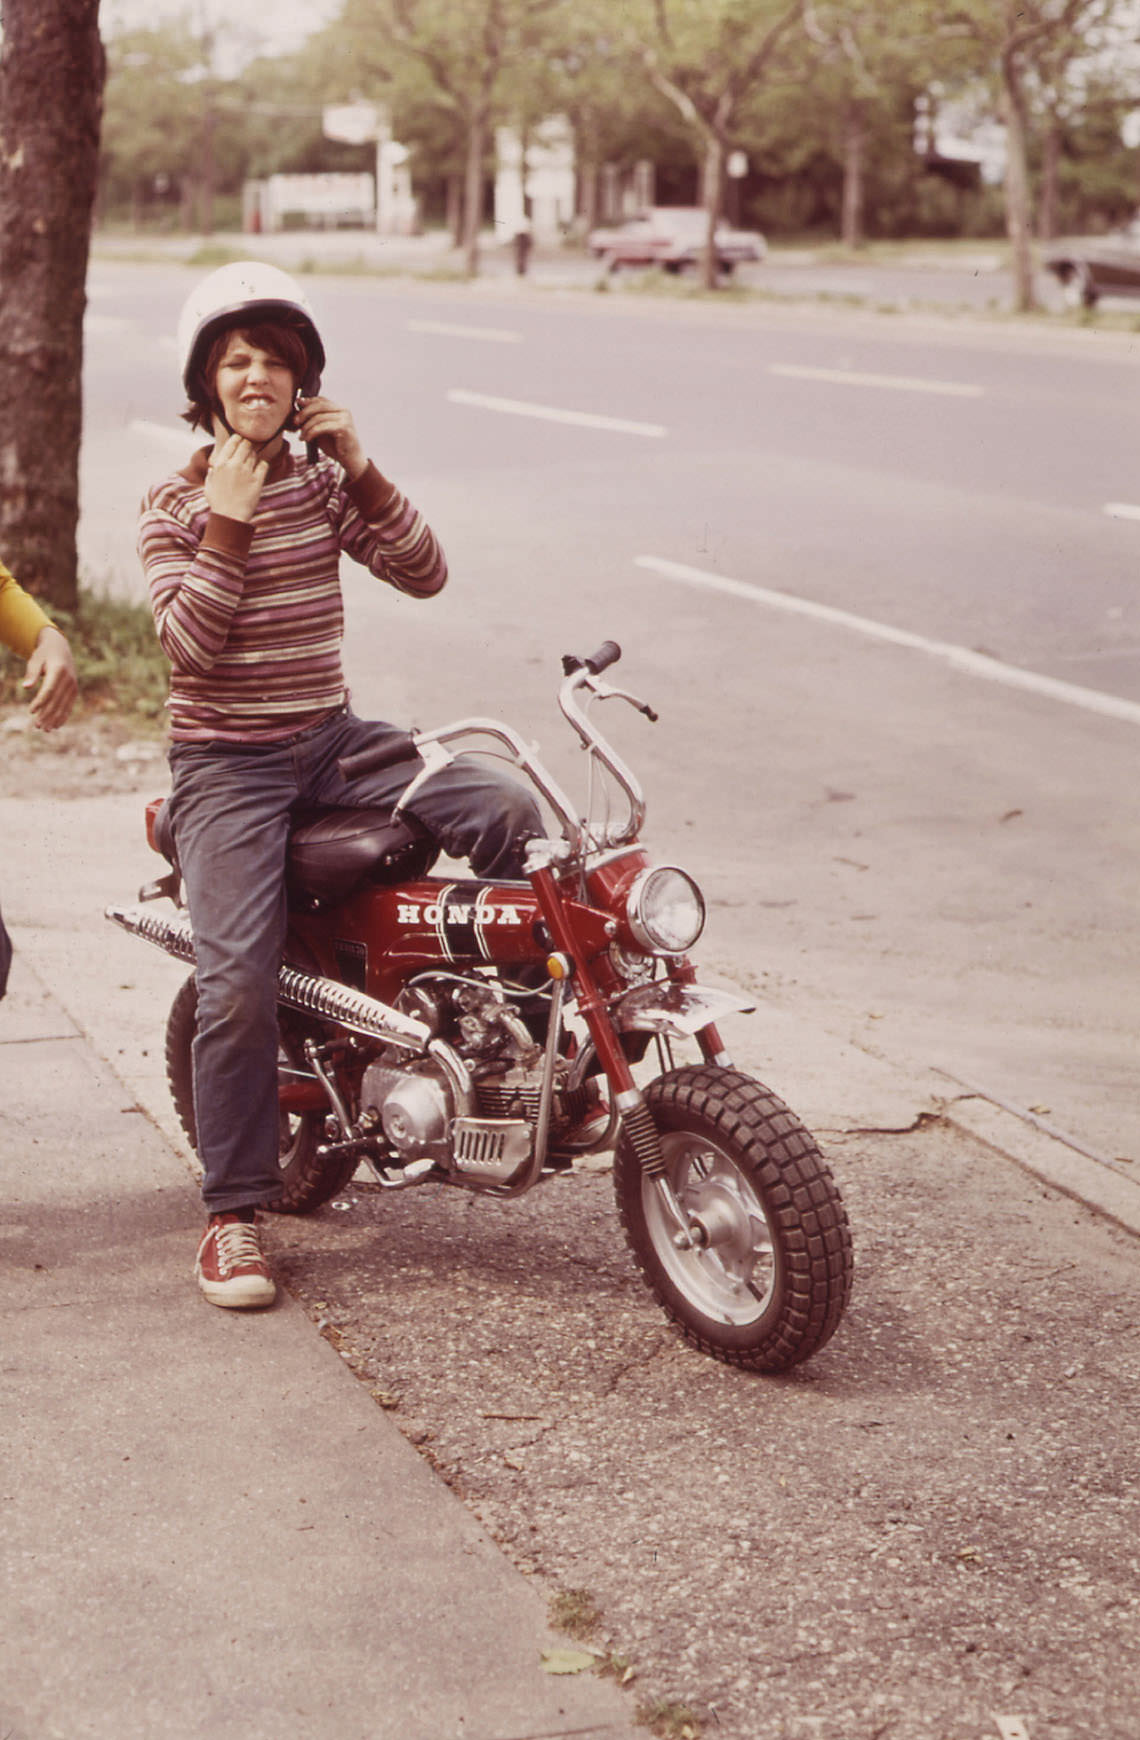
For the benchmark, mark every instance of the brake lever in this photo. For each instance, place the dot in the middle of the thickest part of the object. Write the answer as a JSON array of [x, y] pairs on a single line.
[[435, 757], [605, 693]]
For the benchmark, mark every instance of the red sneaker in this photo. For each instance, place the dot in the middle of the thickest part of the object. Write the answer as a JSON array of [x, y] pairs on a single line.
[[231, 1269]]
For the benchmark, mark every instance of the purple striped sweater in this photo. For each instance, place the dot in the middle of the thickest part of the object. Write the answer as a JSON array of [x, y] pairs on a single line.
[[250, 615]]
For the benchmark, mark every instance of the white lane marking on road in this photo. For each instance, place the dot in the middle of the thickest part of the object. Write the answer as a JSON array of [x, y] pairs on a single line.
[[553, 414], [1122, 510], [448, 329], [184, 439], [900, 383], [960, 658]]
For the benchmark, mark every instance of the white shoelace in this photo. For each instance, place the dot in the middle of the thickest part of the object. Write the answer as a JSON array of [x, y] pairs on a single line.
[[238, 1244]]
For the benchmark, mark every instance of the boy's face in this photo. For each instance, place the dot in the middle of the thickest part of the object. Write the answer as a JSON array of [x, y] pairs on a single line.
[[255, 388]]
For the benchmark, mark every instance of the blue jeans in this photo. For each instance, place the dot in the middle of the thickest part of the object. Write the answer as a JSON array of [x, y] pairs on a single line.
[[230, 810]]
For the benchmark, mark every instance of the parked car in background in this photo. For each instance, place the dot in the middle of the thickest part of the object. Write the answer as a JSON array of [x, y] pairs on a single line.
[[1090, 267], [673, 237]]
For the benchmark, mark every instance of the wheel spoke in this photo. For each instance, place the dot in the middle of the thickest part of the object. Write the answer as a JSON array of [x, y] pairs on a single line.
[[729, 1271]]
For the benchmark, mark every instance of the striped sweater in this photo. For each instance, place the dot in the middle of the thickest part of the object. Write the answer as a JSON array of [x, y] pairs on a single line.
[[250, 615]]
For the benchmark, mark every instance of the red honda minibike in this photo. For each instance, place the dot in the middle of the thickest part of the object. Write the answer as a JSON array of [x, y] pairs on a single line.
[[488, 1034]]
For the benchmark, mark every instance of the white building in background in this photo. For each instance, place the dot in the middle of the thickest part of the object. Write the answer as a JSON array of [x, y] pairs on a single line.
[[319, 202], [363, 123], [962, 129], [539, 192]]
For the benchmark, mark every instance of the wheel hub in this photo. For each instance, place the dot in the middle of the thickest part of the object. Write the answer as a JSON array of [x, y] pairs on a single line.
[[727, 1267]]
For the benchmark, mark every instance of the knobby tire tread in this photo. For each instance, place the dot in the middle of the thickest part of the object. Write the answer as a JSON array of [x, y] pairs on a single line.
[[803, 1205]]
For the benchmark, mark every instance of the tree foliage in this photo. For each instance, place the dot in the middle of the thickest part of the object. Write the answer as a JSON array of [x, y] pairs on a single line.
[[51, 81], [465, 50], [819, 94], [1017, 40], [870, 57], [709, 58]]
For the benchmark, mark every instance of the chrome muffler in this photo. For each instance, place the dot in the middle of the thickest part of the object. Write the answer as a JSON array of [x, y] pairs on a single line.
[[305, 991]]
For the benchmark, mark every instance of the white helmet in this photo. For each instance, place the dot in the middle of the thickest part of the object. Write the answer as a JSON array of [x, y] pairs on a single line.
[[244, 294]]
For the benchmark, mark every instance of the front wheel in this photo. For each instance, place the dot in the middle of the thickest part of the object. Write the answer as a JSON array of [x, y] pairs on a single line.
[[769, 1273]]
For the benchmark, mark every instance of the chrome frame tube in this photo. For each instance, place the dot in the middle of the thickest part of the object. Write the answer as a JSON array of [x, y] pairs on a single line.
[[524, 756]]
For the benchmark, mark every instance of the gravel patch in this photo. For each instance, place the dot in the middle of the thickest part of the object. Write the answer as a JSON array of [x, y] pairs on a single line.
[[928, 1532]]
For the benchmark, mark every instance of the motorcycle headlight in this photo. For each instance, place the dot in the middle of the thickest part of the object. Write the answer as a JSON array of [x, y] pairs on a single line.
[[666, 910]]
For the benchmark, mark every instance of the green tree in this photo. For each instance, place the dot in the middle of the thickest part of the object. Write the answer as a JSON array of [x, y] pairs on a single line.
[[1015, 39], [709, 58], [867, 52], [465, 50], [150, 118], [51, 83], [1085, 82]]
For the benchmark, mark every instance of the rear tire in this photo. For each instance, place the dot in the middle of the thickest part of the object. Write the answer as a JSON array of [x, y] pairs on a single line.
[[309, 1178], [769, 1285]]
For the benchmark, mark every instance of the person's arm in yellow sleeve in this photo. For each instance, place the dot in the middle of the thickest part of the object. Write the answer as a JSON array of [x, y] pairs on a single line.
[[30, 635]]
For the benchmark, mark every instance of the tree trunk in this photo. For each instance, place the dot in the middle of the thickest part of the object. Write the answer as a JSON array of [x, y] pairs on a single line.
[[1048, 201], [712, 190], [854, 156], [587, 197], [473, 192], [1017, 214], [51, 86], [454, 214]]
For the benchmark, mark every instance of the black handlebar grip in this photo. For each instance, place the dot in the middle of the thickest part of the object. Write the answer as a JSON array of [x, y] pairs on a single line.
[[607, 654], [401, 746]]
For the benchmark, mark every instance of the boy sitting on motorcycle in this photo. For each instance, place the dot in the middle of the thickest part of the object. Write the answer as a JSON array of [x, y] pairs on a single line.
[[241, 552]]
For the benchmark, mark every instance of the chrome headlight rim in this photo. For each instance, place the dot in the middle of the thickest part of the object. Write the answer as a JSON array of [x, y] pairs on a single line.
[[648, 927]]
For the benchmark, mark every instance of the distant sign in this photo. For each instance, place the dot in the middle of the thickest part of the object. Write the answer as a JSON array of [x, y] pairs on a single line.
[[322, 200], [736, 166], [352, 123]]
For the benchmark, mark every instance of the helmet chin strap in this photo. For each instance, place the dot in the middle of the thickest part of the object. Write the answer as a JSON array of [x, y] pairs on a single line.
[[311, 448]]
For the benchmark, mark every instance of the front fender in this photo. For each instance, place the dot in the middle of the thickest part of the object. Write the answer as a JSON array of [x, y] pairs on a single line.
[[665, 1007]]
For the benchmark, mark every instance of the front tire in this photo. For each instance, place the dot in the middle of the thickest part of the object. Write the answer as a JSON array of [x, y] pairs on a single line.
[[309, 1178], [768, 1284]]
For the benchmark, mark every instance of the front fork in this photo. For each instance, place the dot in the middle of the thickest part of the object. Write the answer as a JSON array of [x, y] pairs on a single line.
[[628, 1099]]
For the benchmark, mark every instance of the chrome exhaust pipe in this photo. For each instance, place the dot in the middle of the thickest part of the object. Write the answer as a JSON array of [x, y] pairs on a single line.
[[305, 991]]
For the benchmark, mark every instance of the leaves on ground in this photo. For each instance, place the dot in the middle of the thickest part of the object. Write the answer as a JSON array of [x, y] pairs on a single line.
[[567, 1661]]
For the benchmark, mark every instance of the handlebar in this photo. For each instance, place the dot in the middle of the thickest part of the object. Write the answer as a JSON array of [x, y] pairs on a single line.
[[607, 654], [430, 748], [401, 746]]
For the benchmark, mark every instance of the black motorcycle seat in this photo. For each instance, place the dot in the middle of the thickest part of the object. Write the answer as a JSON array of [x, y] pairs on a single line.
[[332, 852]]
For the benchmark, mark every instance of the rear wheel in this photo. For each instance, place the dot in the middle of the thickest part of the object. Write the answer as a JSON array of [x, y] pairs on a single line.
[[309, 1178], [769, 1274]]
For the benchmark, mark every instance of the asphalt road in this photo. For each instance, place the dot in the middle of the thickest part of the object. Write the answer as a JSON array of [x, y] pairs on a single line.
[[930, 859]]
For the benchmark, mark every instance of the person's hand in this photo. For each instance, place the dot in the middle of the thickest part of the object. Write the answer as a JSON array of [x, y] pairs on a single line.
[[53, 668], [332, 429], [235, 476]]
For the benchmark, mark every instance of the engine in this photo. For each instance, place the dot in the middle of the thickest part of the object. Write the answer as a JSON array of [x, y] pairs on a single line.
[[413, 1102]]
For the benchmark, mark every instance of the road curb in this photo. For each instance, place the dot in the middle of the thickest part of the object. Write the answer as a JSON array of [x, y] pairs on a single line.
[[1107, 1186]]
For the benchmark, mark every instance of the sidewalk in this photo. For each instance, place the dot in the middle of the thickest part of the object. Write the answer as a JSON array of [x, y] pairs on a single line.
[[915, 281], [209, 1526]]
